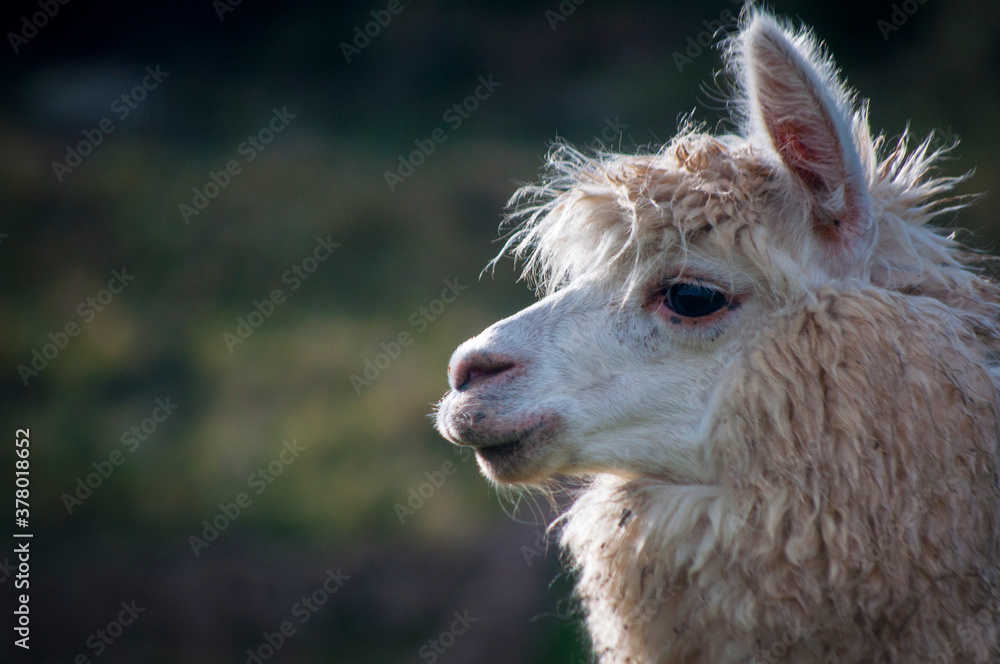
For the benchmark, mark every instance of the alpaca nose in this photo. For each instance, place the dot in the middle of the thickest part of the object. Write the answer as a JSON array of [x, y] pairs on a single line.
[[477, 368]]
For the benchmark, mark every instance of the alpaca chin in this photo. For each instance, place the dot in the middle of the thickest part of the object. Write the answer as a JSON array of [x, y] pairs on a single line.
[[509, 463]]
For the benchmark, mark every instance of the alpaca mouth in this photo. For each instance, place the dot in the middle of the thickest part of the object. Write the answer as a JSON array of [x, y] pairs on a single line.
[[507, 462], [502, 453], [522, 457]]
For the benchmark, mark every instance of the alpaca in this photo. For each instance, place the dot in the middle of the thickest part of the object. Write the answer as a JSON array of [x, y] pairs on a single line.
[[778, 382]]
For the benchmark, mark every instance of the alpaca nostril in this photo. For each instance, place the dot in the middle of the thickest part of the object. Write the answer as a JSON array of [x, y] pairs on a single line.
[[477, 369], [477, 372]]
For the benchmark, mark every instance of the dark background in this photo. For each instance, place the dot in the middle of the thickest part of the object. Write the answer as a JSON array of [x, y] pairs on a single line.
[[466, 548]]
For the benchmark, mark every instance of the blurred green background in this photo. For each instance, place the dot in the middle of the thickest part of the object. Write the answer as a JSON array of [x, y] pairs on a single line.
[[621, 73]]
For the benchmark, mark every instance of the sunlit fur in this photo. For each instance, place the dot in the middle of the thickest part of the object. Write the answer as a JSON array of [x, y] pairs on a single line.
[[815, 477]]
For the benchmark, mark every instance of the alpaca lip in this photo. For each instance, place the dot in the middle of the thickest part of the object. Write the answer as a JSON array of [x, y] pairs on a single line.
[[501, 452], [507, 462]]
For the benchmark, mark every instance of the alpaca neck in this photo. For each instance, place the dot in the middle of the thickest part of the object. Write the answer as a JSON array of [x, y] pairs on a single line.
[[647, 555]]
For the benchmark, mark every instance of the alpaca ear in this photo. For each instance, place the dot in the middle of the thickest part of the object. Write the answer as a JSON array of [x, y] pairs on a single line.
[[796, 101]]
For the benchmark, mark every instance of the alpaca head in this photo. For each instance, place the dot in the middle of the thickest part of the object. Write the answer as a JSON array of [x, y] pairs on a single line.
[[663, 270]]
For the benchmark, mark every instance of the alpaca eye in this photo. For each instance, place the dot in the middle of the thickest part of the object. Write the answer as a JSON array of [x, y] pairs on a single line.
[[693, 301]]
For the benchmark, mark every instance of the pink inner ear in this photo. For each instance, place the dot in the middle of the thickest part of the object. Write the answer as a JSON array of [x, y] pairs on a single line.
[[819, 167], [813, 164]]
